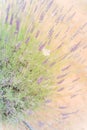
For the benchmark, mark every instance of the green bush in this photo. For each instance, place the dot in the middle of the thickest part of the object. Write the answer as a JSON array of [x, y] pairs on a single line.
[[24, 79]]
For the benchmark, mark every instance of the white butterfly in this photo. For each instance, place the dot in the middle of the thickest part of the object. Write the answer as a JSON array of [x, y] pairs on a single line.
[[46, 52]]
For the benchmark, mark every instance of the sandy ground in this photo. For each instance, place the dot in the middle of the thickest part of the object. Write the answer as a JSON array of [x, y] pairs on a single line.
[[66, 108]]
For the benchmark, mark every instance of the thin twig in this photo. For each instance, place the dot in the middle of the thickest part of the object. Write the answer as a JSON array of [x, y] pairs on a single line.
[[28, 125]]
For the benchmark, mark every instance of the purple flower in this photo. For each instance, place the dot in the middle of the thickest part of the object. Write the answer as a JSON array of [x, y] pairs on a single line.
[[75, 47], [54, 12], [49, 5], [41, 47], [40, 123], [70, 9], [52, 64], [61, 76], [70, 113], [71, 17], [62, 107], [37, 34], [18, 46], [61, 81], [30, 112], [75, 79], [74, 95], [44, 62], [27, 40], [67, 67], [47, 101], [50, 33], [8, 8], [11, 20], [60, 89], [23, 8], [49, 41], [41, 17], [6, 19], [58, 19], [57, 34], [40, 79], [17, 25], [32, 29]]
